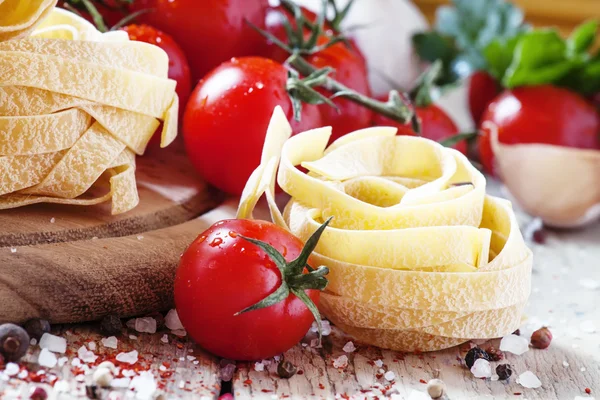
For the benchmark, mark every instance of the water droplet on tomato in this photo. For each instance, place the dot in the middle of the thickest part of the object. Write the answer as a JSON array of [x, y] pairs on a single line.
[[259, 85], [216, 242], [250, 90], [233, 234]]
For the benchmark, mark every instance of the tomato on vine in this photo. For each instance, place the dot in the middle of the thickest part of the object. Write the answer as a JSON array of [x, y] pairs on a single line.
[[245, 289], [227, 116]]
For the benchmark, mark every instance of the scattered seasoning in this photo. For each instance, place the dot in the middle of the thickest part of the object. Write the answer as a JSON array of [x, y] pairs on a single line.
[[286, 369], [91, 391], [474, 354], [423, 381], [588, 390], [504, 371], [517, 332], [111, 325], [14, 342], [35, 328], [39, 393], [541, 338], [494, 353], [517, 393]]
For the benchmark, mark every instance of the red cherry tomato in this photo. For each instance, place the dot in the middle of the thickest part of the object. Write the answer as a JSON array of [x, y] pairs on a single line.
[[209, 31], [221, 274], [435, 125], [539, 114], [226, 119], [483, 89], [179, 70]]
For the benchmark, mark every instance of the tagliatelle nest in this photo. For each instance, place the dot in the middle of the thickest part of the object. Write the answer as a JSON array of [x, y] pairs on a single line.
[[419, 257], [76, 106]]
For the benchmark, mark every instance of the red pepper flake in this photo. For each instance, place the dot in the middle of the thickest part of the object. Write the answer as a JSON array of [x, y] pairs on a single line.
[[378, 376], [266, 391], [423, 381], [179, 346], [517, 393], [371, 363], [248, 382], [321, 386], [166, 364], [300, 372], [588, 390]]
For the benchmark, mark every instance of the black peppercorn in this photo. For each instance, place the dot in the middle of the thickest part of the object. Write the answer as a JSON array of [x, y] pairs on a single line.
[[474, 354], [91, 391], [14, 342], [36, 328], [286, 369], [111, 325], [504, 371], [517, 332]]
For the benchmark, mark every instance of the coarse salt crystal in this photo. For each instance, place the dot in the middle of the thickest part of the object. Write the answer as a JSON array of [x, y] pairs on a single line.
[[13, 249], [129, 358], [389, 376], [349, 347], [340, 362], [379, 363], [529, 380], [52, 220], [481, 369], [140, 237], [80, 378], [590, 284], [582, 369], [110, 342], [381, 370], [226, 372], [190, 358], [276, 358], [132, 337], [11, 369], [47, 359], [128, 373], [587, 326], [76, 362], [565, 364], [162, 368], [258, 366], [33, 341], [164, 338], [195, 362], [86, 355], [144, 385], [145, 325], [23, 374], [181, 359], [172, 320], [62, 387], [181, 384], [92, 345], [120, 382], [325, 327], [55, 344], [514, 344]]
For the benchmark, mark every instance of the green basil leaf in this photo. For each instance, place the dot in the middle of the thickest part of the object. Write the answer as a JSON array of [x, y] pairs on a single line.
[[584, 79], [499, 55], [582, 38], [432, 46], [539, 57]]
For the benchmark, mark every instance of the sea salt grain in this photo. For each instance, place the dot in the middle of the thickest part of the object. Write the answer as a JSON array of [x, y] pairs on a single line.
[[13, 249], [258, 366], [47, 359], [110, 342], [587, 327], [529, 380], [132, 337], [86, 355], [62, 387], [76, 362], [349, 347], [389, 376], [92, 346], [145, 325], [164, 338], [120, 383], [55, 344], [23, 374], [11, 369], [325, 327], [379, 363], [340, 362], [226, 372], [129, 358], [514, 344], [565, 364], [172, 320], [144, 385], [481, 369]]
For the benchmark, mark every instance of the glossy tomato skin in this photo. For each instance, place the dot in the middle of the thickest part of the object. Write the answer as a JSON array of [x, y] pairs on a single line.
[[435, 125], [209, 31], [539, 114], [179, 70], [221, 274], [351, 71], [483, 89], [227, 116]]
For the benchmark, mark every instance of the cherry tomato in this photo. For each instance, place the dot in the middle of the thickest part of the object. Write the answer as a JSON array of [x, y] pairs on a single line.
[[351, 71], [539, 114], [435, 125], [179, 70], [221, 274], [226, 119], [483, 89], [209, 31]]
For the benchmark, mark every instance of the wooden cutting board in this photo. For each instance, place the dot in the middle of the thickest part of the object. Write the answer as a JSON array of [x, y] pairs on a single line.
[[74, 264]]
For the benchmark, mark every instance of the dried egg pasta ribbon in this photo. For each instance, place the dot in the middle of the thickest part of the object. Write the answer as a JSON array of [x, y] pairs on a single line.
[[76, 106], [419, 257]]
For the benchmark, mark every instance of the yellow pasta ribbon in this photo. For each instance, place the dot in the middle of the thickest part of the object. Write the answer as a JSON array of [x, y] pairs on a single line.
[[420, 258], [76, 105]]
